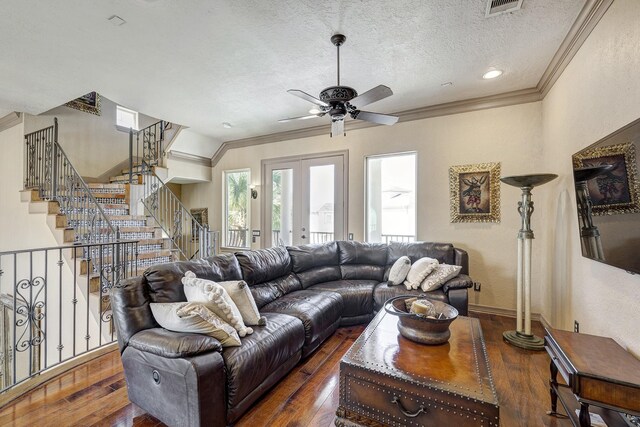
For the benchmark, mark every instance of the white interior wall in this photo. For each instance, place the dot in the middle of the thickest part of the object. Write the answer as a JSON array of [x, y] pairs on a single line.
[[510, 135], [598, 93]]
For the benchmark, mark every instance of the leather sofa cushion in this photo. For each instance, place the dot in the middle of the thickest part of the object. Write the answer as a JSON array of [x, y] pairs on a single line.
[[260, 354], [318, 275], [357, 295], [362, 272], [352, 252], [263, 265], [164, 280], [362, 261], [318, 311], [315, 263], [383, 292], [306, 257], [170, 344], [461, 281], [131, 311], [264, 293], [443, 252], [226, 267]]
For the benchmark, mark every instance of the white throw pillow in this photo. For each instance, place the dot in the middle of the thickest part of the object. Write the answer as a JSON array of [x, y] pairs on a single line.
[[216, 299], [399, 270], [194, 318], [419, 270], [439, 277], [239, 292]]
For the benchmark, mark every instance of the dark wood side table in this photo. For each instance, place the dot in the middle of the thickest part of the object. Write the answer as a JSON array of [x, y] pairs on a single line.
[[600, 377]]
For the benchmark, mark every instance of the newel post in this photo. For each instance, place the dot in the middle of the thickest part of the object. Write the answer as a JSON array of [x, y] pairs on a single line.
[[130, 155], [54, 161]]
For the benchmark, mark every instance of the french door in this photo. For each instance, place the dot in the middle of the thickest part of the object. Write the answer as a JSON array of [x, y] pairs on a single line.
[[304, 200]]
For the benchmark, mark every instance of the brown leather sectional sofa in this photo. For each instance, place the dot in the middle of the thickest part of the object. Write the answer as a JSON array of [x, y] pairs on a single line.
[[305, 293]]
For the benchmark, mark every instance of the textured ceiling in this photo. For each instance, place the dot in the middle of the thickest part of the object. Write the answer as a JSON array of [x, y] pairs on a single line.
[[203, 62]]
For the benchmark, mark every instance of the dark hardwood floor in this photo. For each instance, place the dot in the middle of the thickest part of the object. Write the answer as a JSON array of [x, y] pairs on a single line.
[[95, 393]]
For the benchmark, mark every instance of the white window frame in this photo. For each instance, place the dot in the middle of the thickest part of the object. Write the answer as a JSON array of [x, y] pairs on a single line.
[[126, 110], [366, 189], [224, 209]]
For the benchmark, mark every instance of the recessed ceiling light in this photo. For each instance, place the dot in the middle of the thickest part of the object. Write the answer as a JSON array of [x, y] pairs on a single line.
[[445, 84], [492, 74], [116, 21], [226, 125]]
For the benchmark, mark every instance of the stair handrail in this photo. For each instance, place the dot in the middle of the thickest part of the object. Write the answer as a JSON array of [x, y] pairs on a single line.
[[48, 169], [173, 217], [152, 139]]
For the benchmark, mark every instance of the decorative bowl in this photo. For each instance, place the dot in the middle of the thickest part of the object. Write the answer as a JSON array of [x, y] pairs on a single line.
[[422, 329]]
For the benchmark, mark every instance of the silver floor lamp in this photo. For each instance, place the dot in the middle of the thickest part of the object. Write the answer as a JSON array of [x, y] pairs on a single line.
[[522, 336]]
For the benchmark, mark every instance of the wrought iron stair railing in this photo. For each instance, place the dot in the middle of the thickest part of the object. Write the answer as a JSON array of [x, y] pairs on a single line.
[[49, 170], [147, 145], [49, 313], [189, 237]]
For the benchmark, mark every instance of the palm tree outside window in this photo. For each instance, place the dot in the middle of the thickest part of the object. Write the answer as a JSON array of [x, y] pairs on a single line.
[[236, 209]]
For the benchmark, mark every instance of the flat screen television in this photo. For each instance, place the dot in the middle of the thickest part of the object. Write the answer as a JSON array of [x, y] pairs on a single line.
[[608, 198]]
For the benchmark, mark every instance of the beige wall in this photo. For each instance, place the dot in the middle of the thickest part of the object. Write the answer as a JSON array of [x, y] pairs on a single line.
[[510, 135], [18, 228], [92, 142], [598, 93]]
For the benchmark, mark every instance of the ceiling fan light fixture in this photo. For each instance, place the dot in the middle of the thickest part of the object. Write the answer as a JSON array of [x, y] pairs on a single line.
[[339, 102], [492, 74]]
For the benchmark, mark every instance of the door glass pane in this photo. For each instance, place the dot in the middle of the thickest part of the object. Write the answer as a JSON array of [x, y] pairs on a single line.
[[321, 203], [391, 198], [282, 207], [237, 209]]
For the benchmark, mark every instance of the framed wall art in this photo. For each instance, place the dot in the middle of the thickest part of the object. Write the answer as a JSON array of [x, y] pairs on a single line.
[[475, 192], [614, 191], [89, 103], [201, 215]]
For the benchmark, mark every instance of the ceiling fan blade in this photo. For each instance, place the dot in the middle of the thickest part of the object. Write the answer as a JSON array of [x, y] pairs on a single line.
[[371, 96], [307, 97], [299, 118], [382, 119], [337, 128]]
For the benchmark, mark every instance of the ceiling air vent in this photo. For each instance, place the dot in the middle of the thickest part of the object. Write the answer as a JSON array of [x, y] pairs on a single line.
[[498, 7]]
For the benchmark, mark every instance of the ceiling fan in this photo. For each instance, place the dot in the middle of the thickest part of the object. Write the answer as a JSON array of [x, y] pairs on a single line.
[[340, 101]]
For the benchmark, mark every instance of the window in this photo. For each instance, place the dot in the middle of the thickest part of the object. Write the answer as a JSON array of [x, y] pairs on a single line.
[[236, 208], [391, 198], [126, 118]]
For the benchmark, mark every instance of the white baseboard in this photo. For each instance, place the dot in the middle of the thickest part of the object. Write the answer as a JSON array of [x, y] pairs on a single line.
[[506, 312]]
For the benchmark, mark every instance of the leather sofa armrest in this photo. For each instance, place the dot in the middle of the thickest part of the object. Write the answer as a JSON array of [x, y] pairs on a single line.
[[164, 343], [196, 385], [461, 281], [461, 257]]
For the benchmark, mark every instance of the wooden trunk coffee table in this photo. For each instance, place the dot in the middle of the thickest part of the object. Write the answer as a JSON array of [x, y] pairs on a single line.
[[388, 380]]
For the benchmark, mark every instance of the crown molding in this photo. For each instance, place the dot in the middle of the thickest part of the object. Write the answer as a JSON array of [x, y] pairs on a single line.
[[446, 109], [10, 120], [191, 158], [586, 21]]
